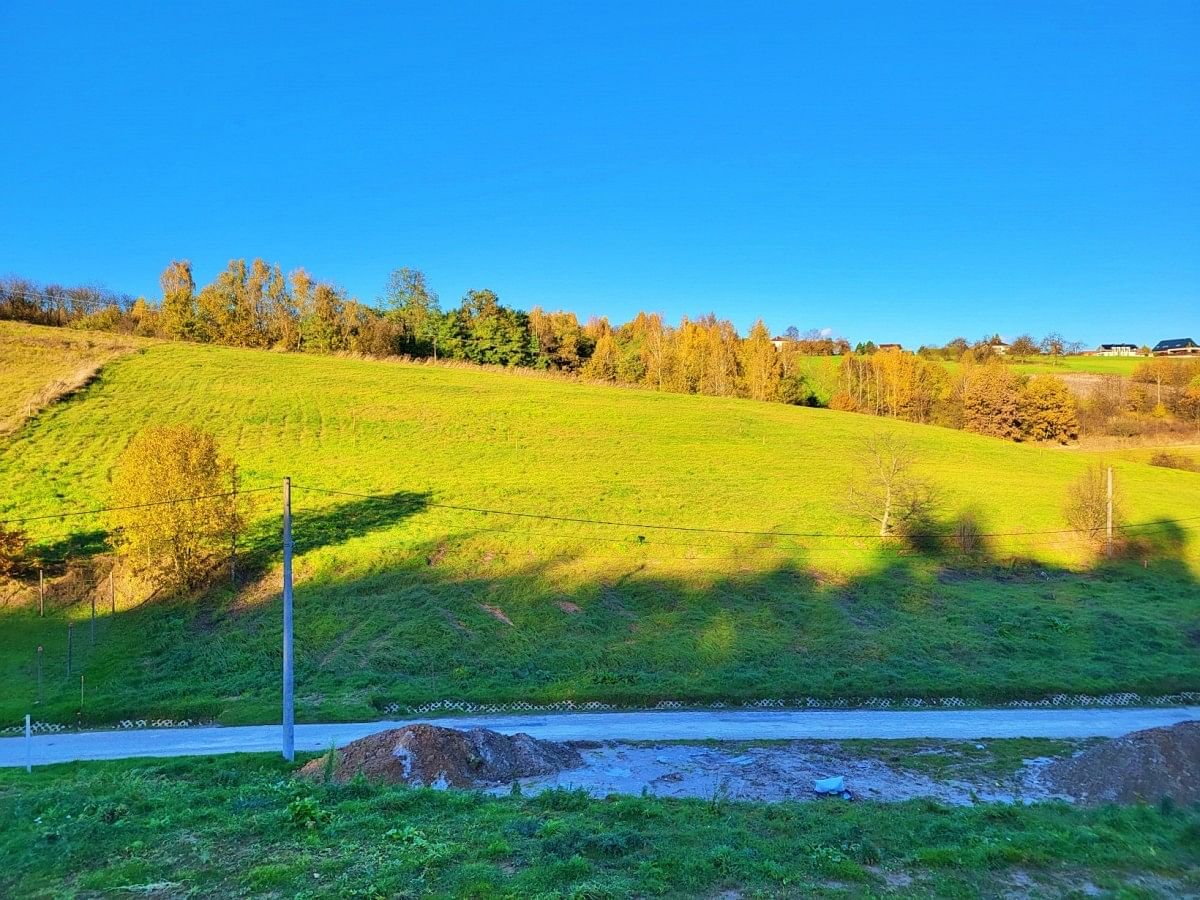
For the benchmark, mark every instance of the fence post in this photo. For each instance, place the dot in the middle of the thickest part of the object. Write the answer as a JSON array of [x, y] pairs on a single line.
[[41, 594], [289, 709], [28, 745]]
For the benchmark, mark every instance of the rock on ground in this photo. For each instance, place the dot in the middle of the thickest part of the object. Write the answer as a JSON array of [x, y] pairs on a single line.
[[1140, 766], [446, 757]]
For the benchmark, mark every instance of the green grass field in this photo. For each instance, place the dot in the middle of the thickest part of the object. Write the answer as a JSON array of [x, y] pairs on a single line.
[[1097, 365], [34, 358], [403, 601], [240, 826]]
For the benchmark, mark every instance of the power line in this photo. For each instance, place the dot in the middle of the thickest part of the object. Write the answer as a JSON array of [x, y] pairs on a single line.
[[711, 530], [107, 509]]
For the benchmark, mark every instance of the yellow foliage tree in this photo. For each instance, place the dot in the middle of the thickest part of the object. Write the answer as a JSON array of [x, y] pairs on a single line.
[[760, 364], [1048, 410], [179, 515]]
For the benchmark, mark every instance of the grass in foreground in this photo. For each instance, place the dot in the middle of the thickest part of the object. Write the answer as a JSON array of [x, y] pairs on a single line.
[[240, 825], [402, 601]]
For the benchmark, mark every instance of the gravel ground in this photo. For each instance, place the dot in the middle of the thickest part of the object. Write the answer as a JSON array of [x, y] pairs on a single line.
[[776, 772]]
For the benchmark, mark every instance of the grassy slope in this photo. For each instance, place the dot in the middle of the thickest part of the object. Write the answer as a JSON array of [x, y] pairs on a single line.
[[35, 357], [390, 602], [236, 826]]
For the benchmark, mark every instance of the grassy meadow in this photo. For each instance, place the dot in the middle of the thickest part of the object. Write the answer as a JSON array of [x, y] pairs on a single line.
[[36, 360], [402, 600], [241, 826]]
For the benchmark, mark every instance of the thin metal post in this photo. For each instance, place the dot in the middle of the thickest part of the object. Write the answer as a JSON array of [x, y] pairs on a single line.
[[69, 631], [289, 710], [28, 745], [1108, 547], [93, 635], [233, 536], [41, 594]]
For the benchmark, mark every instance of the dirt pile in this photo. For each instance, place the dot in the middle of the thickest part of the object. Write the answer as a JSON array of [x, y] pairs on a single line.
[[1143, 765], [446, 757]]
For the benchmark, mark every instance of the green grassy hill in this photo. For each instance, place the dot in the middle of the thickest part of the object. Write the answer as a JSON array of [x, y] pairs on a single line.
[[403, 600]]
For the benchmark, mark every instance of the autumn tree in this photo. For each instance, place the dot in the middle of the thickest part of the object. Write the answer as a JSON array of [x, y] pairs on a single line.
[[322, 318], [602, 365], [1048, 410], [283, 319], [760, 364], [178, 315], [1156, 371], [174, 544], [561, 343], [886, 490], [991, 399]]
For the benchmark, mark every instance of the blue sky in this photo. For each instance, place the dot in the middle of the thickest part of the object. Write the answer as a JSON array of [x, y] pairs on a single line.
[[893, 171]]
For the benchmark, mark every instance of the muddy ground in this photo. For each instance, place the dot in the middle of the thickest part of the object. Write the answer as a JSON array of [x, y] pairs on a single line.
[[950, 772], [1142, 766]]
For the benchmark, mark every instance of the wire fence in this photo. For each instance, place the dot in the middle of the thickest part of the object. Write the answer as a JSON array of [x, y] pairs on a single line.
[[80, 597]]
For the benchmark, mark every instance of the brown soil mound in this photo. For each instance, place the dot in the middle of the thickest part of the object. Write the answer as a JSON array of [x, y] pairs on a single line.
[[1141, 766], [446, 757]]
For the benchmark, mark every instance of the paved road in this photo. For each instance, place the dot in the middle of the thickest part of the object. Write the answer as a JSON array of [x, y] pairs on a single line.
[[628, 726]]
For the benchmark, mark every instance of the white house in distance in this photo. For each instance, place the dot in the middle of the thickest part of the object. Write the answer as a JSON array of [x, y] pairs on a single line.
[[1115, 350]]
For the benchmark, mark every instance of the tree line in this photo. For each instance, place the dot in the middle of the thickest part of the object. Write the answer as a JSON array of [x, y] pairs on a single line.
[[256, 305], [985, 397]]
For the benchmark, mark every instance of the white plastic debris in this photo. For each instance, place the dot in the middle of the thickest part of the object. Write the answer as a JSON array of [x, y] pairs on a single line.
[[834, 787]]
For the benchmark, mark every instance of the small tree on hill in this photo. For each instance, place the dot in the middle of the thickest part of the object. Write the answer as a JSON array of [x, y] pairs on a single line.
[[1086, 509], [885, 490], [174, 544]]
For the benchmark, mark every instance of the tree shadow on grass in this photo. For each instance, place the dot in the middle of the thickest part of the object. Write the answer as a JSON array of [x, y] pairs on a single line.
[[469, 616], [328, 525]]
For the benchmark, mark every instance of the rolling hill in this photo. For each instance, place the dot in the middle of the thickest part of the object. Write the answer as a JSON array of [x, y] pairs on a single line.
[[410, 592]]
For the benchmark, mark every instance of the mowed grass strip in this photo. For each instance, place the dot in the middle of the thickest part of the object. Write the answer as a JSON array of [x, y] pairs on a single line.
[[241, 825], [401, 601]]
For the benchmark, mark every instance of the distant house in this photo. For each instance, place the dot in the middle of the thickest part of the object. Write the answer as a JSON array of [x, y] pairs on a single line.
[[1115, 350], [999, 347], [891, 347], [1176, 347], [779, 342]]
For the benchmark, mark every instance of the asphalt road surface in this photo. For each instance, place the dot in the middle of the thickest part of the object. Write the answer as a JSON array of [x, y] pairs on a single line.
[[725, 725]]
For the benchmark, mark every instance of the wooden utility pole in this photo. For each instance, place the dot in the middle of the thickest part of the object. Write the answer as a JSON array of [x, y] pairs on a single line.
[[1108, 544], [289, 709]]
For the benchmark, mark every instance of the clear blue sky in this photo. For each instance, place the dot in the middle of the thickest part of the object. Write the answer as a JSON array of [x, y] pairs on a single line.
[[894, 171]]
